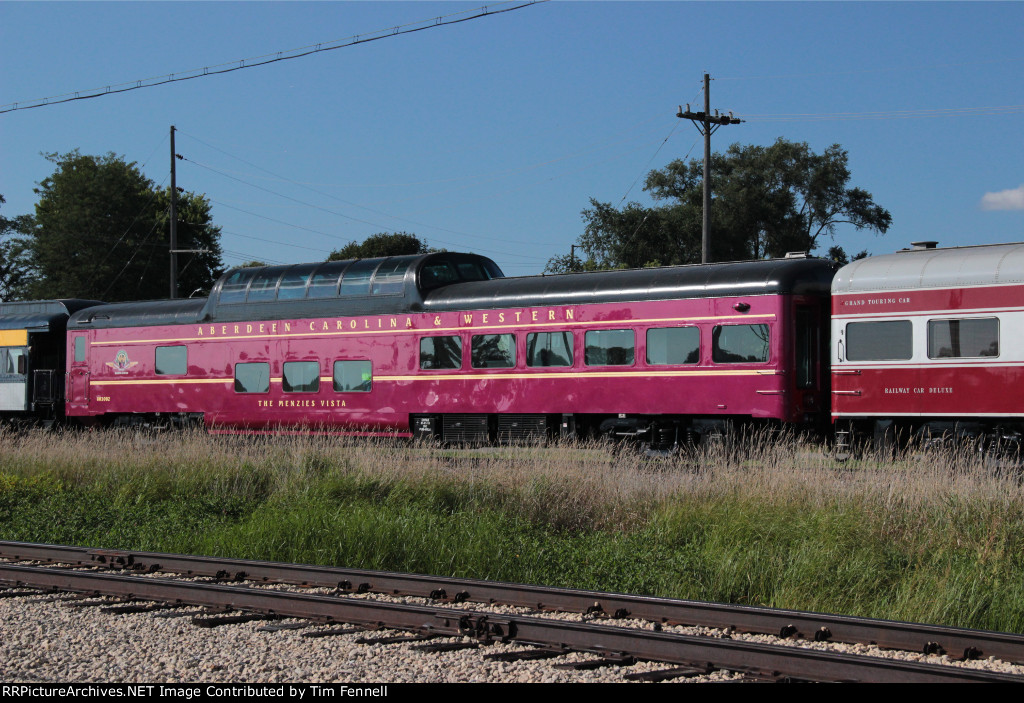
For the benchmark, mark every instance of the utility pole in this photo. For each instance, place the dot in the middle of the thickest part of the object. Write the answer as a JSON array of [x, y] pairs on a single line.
[[710, 124], [174, 223]]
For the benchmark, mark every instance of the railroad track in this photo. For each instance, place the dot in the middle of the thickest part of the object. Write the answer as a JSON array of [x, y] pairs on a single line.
[[453, 610]]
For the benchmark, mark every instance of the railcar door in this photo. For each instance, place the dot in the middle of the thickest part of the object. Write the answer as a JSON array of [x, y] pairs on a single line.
[[78, 374], [810, 349]]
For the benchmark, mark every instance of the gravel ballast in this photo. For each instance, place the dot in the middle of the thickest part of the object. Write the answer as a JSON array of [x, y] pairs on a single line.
[[46, 639]]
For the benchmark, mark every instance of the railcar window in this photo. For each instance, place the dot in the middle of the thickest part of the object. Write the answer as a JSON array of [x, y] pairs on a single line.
[[324, 283], [890, 340], [673, 345], [390, 277], [252, 377], [293, 283], [171, 361], [233, 290], [493, 351], [301, 377], [264, 286], [549, 349], [441, 352], [79, 348], [610, 348], [353, 376], [357, 277], [16, 356], [437, 274], [474, 271], [969, 338], [739, 344], [9, 359]]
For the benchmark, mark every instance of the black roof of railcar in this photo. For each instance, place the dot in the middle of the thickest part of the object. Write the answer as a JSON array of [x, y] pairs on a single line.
[[141, 314], [41, 315], [801, 276]]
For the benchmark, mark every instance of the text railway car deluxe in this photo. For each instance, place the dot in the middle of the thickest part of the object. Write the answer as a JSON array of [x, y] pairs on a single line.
[[929, 343], [443, 345]]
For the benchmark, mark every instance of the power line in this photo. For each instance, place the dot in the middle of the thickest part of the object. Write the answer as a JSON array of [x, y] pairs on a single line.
[[265, 59], [886, 114], [581, 169], [319, 251], [861, 71], [276, 221], [476, 180], [96, 268], [486, 178], [138, 248], [649, 161], [338, 214], [649, 210], [282, 195], [251, 257], [611, 140]]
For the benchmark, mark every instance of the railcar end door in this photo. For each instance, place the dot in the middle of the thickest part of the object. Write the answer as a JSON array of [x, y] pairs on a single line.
[[810, 350], [78, 374]]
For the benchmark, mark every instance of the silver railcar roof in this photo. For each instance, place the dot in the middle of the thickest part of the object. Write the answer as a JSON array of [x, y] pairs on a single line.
[[952, 267]]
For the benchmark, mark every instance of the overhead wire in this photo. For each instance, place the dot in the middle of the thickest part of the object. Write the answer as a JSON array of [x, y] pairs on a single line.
[[265, 59], [658, 150], [329, 211], [883, 114], [124, 234], [475, 178], [648, 215], [476, 182], [861, 71], [124, 268]]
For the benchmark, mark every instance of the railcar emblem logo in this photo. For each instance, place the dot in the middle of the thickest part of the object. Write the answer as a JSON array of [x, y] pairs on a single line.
[[121, 364]]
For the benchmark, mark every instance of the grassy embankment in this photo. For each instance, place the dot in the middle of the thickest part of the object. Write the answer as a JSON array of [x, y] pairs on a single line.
[[927, 539]]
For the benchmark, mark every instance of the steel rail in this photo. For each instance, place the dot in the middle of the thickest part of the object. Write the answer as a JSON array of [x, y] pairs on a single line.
[[890, 634], [762, 660]]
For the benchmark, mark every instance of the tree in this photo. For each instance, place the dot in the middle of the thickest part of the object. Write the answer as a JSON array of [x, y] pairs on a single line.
[[14, 267], [837, 254], [101, 230], [200, 269], [381, 244], [766, 201]]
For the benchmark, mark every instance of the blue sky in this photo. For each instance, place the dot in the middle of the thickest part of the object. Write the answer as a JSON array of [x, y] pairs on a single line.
[[492, 135]]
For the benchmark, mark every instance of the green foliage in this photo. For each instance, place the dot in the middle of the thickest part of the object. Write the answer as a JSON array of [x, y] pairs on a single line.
[[380, 245], [101, 231], [912, 541], [766, 201], [14, 265], [838, 254]]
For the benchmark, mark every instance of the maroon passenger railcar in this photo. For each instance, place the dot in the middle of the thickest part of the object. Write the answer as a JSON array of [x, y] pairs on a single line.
[[443, 345]]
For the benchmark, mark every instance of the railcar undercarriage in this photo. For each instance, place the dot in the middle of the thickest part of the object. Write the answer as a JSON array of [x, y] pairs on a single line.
[[991, 438], [660, 433]]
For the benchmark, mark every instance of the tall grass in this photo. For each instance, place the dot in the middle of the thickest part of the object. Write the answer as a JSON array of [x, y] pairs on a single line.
[[764, 520]]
